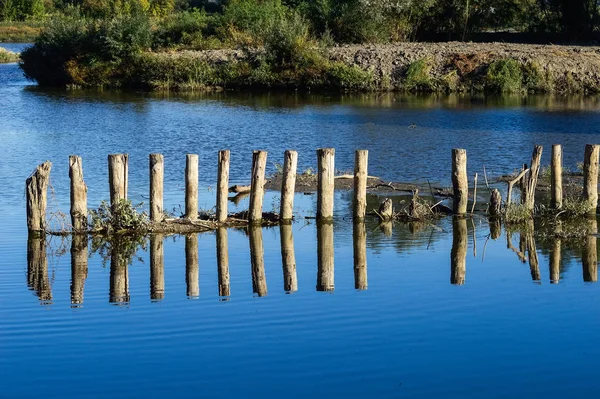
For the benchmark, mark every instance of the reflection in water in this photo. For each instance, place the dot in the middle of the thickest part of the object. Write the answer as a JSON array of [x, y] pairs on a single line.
[[157, 268], [79, 267], [288, 258], [534, 264], [590, 256], [223, 261], [555, 253], [495, 228], [325, 277], [119, 278], [37, 269], [191, 266], [458, 254], [257, 259], [387, 228], [359, 235]]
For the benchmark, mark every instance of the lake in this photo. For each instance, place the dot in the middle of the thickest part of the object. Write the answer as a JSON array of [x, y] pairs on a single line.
[[448, 309]]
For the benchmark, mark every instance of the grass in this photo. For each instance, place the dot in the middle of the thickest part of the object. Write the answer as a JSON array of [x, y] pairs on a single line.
[[19, 32], [516, 213], [418, 76], [8, 56], [504, 76]]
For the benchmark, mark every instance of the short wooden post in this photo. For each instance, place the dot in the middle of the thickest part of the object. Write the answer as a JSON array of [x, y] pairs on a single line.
[[118, 165], [531, 178], [191, 186], [288, 258], [534, 264], [257, 259], [458, 253], [157, 177], [192, 281], [556, 199], [325, 183], [325, 257], [288, 187], [359, 235], [590, 177], [157, 268], [495, 208], [119, 278], [386, 210], [36, 189], [257, 192], [460, 182], [222, 185], [37, 269], [361, 161], [79, 210], [223, 261], [79, 267], [589, 257]]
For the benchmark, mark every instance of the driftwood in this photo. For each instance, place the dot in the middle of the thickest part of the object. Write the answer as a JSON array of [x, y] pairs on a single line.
[[239, 189], [512, 183]]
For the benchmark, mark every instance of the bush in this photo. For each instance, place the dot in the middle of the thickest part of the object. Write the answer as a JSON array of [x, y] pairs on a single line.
[[418, 75], [504, 76], [123, 217], [350, 77], [186, 29]]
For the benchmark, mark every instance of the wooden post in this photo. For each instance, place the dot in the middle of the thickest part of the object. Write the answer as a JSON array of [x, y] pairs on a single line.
[[458, 254], [191, 186], [534, 264], [531, 178], [36, 189], [288, 258], [288, 187], [495, 208], [191, 266], [257, 259], [222, 185], [157, 268], [386, 210], [79, 210], [79, 268], [157, 177], [325, 257], [325, 183], [556, 177], [118, 165], [460, 182], [37, 269], [361, 161], [257, 192], [523, 182], [359, 235], [589, 257], [223, 262], [119, 278], [590, 177]]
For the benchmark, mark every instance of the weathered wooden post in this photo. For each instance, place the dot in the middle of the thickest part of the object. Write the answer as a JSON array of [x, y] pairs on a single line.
[[37, 268], [257, 192], [589, 257], [257, 259], [191, 186], [36, 189], [460, 182], [288, 258], [556, 199], [157, 268], [119, 278], [192, 281], [118, 171], [590, 177], [495, 208], [386, 210], [325, 257], [531, 178], [222, 185], [223, 262], [359, 235], [157, 177], [79, 210], [288, 186], [361, 162], [79, 267], [534, 264], [458, 254], [325, 183]]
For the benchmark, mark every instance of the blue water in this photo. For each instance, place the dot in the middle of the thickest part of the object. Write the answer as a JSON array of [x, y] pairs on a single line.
[[411, 333]]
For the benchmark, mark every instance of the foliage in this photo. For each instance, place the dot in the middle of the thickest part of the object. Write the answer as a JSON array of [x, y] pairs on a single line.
[[350, 77], [418, 76], [123, 217], [516, 213], [8, 56], [504, 76]]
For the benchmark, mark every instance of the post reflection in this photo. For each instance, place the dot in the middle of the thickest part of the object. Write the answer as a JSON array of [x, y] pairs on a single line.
[[223, 262], [359, 235], [495, 228], [555, 254], [119, 278], [157, 268], [387, 228], [37, 269], [259, 280], [79, 267], [458, 254], [590, 256], [288, 258], [325, 255], [191, 266], [528, 237]]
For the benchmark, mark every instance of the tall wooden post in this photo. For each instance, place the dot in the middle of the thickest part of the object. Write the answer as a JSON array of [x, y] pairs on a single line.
[[531, 178], [590, 177], [191, 186], [556, 177], [79, 267], [288, 187], [288, 258], [458, 254], [118, 171], [222, 185], [257, 259], [359, 235], [223, 262], [157, 268], [325, 183], [79, 210], [192, 281], [589, 257], [257, 192], [157, 177], [460, 182], [36, 189], [361, 161], [325, 257]]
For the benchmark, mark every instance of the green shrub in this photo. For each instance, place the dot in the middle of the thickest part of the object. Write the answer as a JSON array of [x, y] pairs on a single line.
[[122, 217], [418, 76], [516, 213], [186, 29], [350, 77], [504, 76]]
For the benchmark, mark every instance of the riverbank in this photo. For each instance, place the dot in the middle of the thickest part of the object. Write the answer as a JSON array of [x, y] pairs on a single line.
[[19, 32], [7, 56]]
